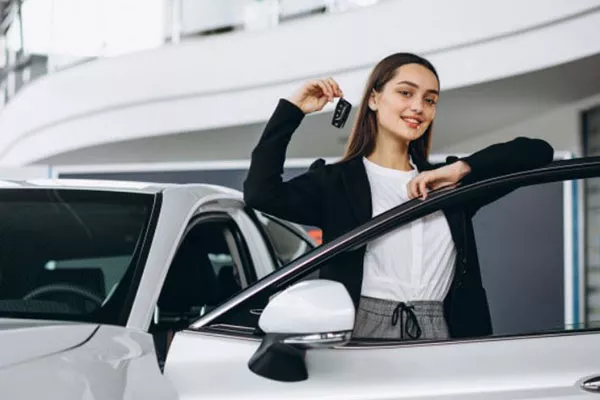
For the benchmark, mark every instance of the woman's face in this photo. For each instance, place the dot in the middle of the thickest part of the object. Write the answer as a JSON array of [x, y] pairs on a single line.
[[406, 105]]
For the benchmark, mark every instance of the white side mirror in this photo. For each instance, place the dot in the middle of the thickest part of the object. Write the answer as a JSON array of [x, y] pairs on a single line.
[[309, 307], [311, 314]]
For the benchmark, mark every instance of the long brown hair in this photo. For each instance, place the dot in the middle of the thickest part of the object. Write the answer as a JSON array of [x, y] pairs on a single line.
[[362, 138]]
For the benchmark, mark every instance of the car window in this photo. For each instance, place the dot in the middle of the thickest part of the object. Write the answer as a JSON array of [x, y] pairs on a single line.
[[211, 264], [70, 255], [108, 268], [206, 270], [530, 244], [287, 244]]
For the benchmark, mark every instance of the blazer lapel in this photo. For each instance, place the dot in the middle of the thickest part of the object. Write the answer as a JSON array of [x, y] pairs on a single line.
[[358, 190]]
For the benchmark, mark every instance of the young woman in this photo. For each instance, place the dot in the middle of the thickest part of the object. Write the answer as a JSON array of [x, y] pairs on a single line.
[[421, 281]]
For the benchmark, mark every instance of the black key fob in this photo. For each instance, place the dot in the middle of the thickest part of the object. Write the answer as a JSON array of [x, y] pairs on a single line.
[[341, 113]]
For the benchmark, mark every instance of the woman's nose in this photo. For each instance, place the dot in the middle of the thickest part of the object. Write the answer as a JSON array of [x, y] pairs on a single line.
[[417, 106]]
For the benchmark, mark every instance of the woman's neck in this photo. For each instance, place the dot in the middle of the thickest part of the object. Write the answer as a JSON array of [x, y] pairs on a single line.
[[391, 153]]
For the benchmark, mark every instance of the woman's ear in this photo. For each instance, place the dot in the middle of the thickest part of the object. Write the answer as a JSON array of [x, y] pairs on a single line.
[[373, 101]]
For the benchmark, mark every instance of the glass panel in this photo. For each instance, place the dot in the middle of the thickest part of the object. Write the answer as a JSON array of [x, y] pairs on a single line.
[[528, 247], [287, 245], [64, 253]]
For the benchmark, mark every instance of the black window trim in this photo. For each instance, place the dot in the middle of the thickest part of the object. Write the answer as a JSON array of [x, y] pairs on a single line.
[[572, 169]]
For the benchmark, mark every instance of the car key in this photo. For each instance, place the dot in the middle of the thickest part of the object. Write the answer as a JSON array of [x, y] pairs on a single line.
[[341, 113]]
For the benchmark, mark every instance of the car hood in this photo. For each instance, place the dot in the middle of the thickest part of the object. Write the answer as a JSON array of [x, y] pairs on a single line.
[[24, 340]]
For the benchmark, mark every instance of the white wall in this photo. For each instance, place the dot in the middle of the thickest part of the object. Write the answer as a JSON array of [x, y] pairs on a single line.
[[198, 85], [87, 28], [561, 127]]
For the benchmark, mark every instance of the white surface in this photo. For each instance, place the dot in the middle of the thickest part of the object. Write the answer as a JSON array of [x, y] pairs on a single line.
[[30, 172], [56, 336], [112, 100], [177, 190], [115, 364], [314, 306], [203, 15], [524, 368], [82, 28]]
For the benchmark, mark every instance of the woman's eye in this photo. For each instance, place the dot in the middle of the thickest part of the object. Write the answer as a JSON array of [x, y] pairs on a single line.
[[405, 93], [431, 101]]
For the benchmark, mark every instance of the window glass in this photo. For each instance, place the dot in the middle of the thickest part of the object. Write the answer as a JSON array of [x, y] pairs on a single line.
[[206, 271], [64, 254], [287, 244], [203, 273], [529, 243]]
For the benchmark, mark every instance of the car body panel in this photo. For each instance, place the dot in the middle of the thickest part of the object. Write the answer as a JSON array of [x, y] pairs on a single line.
[[547, 368], [114, 363], [58, 336]]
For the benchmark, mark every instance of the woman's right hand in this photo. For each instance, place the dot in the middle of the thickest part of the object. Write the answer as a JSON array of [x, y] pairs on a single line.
[[313, 95]]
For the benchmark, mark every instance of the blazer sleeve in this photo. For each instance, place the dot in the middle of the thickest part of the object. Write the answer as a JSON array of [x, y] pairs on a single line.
[[299, 199], [520, 154]]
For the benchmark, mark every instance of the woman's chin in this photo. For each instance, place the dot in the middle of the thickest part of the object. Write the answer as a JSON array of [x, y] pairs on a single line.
[[409, 135]]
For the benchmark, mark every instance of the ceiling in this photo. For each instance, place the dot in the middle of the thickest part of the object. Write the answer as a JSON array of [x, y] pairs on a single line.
[[463, 113]]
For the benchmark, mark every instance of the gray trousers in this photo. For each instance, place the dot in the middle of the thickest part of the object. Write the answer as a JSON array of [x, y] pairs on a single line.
[[386, 319]]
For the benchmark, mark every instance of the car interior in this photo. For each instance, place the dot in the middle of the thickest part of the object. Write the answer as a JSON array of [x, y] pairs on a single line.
[[62, 259], [202, 275]]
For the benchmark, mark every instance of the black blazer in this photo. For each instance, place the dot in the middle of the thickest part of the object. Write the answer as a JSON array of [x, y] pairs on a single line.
[[337, 198]]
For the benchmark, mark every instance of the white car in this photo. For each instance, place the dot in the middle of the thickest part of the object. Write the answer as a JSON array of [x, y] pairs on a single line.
[[140, 291], [95, 276]]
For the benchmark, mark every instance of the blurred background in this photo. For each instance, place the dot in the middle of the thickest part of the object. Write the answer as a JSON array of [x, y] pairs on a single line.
[[180, 90]]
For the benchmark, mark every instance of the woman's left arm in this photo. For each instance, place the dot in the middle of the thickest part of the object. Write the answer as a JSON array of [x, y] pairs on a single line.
[[519, 154]]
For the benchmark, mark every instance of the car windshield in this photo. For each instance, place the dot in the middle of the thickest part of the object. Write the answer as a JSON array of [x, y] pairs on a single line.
[[71, 254]]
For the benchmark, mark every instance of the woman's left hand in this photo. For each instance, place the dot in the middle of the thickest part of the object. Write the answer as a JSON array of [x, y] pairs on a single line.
[[447, 175]]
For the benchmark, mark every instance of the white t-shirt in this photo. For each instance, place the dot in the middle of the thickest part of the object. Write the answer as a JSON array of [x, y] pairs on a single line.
[[414, 262]]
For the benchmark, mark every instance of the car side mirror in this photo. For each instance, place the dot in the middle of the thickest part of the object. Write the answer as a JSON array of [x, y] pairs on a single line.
[[311, 314]]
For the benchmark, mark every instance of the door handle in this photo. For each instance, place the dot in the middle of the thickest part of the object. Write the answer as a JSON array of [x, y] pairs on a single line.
[[591, 385]]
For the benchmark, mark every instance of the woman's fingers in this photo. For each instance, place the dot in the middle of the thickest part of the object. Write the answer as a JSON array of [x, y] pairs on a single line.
[[423, 189], [321, 101], [419, 186], [328, 87], [314, 95], [332, 92], [412, 188], [336, 88], [324, 88], [427, 181]]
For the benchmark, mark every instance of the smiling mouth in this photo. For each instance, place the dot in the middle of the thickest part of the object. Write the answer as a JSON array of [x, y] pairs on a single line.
[[412, 122]]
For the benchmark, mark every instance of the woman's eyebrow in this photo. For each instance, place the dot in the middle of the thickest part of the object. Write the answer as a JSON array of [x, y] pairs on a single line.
[[409, 83]]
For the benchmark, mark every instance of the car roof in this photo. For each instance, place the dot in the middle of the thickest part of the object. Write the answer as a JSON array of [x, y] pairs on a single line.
[[198, 189]]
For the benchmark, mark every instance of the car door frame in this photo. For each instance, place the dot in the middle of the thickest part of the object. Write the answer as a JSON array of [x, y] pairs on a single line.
[[452, 362], [572, 169], [176, 215]]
